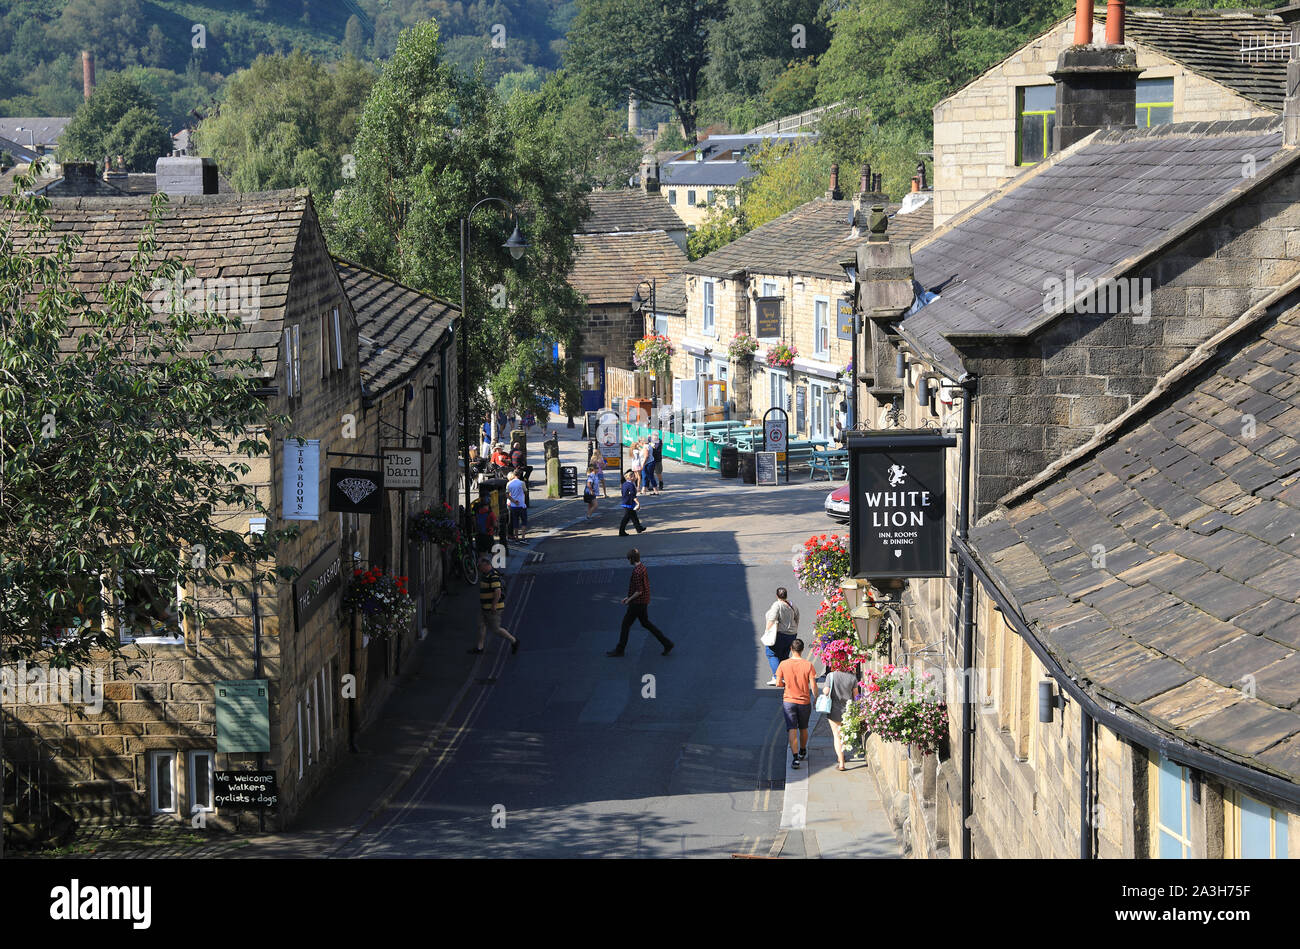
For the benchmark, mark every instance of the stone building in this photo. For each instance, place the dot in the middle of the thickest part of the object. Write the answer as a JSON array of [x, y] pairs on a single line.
[[631, 243], [1115, 319], [794, 261], [1192, 71], [408, 373], [152, 752]]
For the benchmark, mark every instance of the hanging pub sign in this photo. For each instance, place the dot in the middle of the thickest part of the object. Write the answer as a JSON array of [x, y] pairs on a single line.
[[402, 468], [355, 491], [844, 319], [300, 500], [316, 584], [768, 317], [898, 503]]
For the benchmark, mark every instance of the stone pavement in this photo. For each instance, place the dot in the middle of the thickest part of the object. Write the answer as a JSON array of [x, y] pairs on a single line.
[[844, 817]]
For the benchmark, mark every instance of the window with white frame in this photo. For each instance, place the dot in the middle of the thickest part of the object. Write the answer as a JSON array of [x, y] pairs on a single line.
[[778, 383], [769, 288], [701, 367], [690, 198], [292, 362], [162, 781], [148, 609], [710, 308], [821, 410], [672, 196], [822, 327], [661, 324], [201, 772], [1172, 809]]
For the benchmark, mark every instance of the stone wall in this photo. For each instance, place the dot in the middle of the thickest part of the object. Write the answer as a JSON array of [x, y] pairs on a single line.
[[612, 332], [975, 128]]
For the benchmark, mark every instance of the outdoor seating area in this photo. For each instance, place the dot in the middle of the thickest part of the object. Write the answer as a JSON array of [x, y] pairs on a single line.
[[830, 461], [702, 444]]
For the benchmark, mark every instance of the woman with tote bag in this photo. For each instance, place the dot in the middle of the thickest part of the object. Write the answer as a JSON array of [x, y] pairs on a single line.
[[781, 629]]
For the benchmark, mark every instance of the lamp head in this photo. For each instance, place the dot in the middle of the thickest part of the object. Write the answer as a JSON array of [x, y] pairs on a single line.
[[516, 244]]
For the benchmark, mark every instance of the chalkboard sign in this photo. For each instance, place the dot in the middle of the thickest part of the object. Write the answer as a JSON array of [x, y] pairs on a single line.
[[593, 419], [245, 790], [568, 481], [765, 467]]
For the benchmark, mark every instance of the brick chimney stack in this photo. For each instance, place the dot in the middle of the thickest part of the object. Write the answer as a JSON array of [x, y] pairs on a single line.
[[1096, 86], [87, 73], [834, 193]]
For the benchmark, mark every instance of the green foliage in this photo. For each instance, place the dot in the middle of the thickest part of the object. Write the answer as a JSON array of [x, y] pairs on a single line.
[[786, 176], [432, 143], [592, 138], [288, 121], [752, 44], [655, 48], [120, 118], [118, 458], [721, 226]]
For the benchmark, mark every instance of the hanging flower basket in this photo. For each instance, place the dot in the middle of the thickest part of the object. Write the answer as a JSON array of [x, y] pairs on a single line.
[[742, 348], [382, 599], [853, 722], [653, 354], [902, 706], [835, 641], [436, 525], [847, 371], [822, 564], [781, 355]]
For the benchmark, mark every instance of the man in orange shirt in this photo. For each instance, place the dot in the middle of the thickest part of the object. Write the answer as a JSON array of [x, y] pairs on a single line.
[[799, 677]]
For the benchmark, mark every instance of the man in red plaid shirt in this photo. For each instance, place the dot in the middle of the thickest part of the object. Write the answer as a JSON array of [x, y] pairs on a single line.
[[638, 600]]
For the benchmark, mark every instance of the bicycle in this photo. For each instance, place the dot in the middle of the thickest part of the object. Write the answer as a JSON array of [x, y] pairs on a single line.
[[463, 561]]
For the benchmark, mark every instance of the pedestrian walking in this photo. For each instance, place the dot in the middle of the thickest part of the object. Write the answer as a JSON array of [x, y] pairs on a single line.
[[638, 462], [638, 602], [648, 479], [492, 603], [781, 629], [518, 505], [600, 472], [839, 685], [799, 678], [659, 462], [631, 504], [589, 495], [485, 526]]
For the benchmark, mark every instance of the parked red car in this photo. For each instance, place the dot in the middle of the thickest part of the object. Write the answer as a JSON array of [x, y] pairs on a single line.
[[837, 503]]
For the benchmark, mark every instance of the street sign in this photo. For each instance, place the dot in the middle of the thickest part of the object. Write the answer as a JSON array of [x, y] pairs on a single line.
[[243, 720], [402, 468], [844, 319], [898, 503], [609, 439], [245, 790], [776, 435], [568, 481], [765, 467]]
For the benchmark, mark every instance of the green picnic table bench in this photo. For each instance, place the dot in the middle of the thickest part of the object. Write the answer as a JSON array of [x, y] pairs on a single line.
[[829, 461]]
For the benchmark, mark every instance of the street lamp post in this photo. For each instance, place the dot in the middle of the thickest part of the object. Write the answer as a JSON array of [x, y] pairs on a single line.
[[638, 303], [516, 245]]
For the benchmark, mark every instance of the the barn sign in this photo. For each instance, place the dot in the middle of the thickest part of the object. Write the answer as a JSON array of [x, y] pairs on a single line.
[[898, 503]]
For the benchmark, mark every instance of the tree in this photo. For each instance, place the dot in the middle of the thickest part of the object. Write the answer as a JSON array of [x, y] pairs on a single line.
[[122, 447], [754, 42], [119, 118], [288, 121], [657, 49], [354, 38], [593, 139], [432, 142], [785, 176], [721, 226]]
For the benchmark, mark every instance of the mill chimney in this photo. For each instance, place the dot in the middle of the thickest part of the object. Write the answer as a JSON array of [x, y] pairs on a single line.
[[87, 73]]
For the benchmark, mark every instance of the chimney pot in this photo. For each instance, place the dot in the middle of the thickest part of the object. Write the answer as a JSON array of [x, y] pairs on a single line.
[[1114, 22], [916, 184], [864, 182], [1083, 22], [834, 192]]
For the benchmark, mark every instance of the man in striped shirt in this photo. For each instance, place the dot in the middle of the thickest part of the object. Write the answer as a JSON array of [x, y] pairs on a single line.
[[638, 600], [492, 604]]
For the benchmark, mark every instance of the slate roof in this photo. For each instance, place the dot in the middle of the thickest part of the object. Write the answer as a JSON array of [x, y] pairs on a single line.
[[1198, 517], [22, 154], [46, 130], [607, 267], [1208, 42], [670, 295], [1095, 209], [629, 209], [228, 236], [809, 240], [718, 174], [397, 327]]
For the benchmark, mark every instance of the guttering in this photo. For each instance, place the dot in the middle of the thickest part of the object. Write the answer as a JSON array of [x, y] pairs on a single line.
[[1169, 747]]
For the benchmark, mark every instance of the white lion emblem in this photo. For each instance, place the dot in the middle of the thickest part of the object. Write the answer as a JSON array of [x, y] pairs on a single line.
[[896, 475]]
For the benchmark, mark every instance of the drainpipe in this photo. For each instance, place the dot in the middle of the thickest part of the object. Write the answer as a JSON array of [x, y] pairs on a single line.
[[968, 384], [1083, 22], [1085, 785]]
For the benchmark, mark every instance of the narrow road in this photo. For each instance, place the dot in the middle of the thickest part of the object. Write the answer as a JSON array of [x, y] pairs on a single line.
[[560, 751]]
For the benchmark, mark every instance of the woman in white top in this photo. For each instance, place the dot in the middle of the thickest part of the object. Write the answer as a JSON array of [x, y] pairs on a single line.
[[782, 627], [638, 462]]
